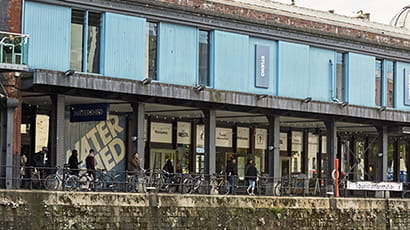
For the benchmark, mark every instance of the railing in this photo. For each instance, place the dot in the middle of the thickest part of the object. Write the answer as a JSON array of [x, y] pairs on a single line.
[[160, 181], [13, 48]]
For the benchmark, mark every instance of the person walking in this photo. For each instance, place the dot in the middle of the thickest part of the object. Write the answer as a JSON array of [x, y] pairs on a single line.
[[135, 171], [232, 173], [73, 163], [90, 164], [251, 175]]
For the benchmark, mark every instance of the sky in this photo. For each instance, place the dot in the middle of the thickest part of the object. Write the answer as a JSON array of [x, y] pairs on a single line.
[[380, 11]]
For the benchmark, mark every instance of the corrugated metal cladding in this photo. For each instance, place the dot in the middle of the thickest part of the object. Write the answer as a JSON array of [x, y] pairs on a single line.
[[49, 30], [124, 46], [361, 78], [178, 48], [232, 62]]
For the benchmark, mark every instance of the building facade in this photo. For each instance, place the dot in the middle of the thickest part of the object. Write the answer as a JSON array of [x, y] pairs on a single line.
[[199, 82]]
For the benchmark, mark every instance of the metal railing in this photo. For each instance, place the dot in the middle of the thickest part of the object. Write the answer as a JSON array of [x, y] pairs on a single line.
[[160, 181], [13, 48]]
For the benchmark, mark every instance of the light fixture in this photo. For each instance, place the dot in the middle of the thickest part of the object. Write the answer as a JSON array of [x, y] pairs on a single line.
[[381, 108], [146, 81], [307, 100], [261, 96], [69, 72], [199, 88], [344, 104], [339, 102]]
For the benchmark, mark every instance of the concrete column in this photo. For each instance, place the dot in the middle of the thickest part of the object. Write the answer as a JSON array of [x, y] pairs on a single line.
[[56, 138], [383, 151], [12, 103], [138, 117], [331, 148], [408, 159], [396, 160], [273, 147], [210, 139]]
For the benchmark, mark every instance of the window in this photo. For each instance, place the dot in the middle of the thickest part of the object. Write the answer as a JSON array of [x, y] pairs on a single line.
[[390, 83], [340, 76], [379, 68], [85, 41], [77, 29], [203, 58], [152, 48]]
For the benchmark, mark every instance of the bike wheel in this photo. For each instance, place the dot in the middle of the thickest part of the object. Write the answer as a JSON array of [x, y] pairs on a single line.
[[52, 182], [278, 189], [71, 183], [84, 183]]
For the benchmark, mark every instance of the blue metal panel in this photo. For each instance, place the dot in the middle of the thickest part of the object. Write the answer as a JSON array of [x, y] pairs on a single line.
[[293, 70], [321, 71], [231, 62], [124, 46], [178, 54], [271, 90], [49, 30], [402, 71], [361, 84]]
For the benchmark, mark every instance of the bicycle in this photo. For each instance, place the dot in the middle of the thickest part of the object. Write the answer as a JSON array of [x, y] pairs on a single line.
[[218, 183], [133, 183], [67, 181], [103, 181], [193, 184]]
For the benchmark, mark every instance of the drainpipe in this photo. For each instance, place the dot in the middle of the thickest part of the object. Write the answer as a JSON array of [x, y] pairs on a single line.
[[12, 103]]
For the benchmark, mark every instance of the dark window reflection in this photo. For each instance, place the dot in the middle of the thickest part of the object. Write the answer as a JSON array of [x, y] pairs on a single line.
[[203, 59], [152, 38], [379, 68]]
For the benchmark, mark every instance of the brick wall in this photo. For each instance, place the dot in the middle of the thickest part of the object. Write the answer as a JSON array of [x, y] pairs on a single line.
[[58, 210], [286, 22]]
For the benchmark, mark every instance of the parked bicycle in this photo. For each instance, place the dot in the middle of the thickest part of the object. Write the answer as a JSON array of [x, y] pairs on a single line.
[[103, 181], [65, 181], [194, 184], [218, 183], [136, 185]]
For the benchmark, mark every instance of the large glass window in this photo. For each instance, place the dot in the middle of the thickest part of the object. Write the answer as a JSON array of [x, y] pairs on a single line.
[[93, 43], [152, 48], [77, 29], [379, 68], [203, 58], [89, 49], [390, 83], [340, 76]]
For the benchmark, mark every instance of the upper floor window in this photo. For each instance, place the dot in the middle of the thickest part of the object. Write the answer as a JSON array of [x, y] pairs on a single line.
[[203, 58], [378, 76], [340, 76], [85, 41], [152, 49], [390, 83]]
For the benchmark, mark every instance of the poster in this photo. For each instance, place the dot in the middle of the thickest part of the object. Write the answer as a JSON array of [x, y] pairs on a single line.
[[261, 136], [107, 138], [297, 138], [161, 132], [184, 133], [223, 137], [243, 137], [283, 142], [200, 136]]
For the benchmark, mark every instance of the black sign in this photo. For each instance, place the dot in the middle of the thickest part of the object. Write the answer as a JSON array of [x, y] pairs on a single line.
[[89, 112]]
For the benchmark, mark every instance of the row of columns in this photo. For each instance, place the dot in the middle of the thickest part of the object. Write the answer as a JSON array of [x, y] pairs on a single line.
[[137, 133]]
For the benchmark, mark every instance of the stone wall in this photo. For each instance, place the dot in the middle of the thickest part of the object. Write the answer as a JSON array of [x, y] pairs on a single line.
[[59, 210]]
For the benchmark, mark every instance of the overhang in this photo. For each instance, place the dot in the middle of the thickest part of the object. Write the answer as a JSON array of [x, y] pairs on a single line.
[[47, 80]]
